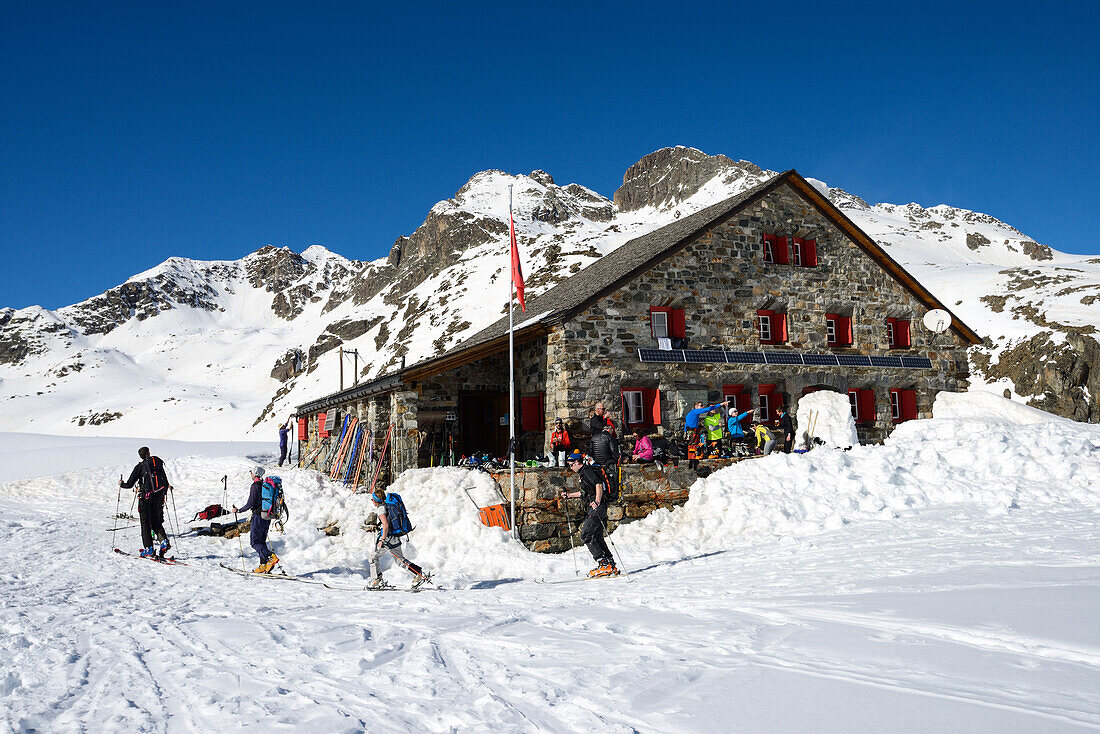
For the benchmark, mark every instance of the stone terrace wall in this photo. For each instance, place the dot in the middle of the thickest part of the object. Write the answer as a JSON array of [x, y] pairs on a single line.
[[540, 512], [720, 281]]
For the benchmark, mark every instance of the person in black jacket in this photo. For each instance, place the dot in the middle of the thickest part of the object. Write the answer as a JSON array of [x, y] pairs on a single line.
[[603, 448], [258, 526], [151, 486], [596, 498], [598, 421], [786, 429]]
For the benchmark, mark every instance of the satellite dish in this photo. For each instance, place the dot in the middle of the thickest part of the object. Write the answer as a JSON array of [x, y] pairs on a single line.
[[937, 320]]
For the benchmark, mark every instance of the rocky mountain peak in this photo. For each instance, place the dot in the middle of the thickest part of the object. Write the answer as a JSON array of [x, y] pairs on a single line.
[[668, 176]]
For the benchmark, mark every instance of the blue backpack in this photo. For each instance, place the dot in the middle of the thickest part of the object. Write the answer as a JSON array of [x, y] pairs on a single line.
[[272, 506], [397, 515]]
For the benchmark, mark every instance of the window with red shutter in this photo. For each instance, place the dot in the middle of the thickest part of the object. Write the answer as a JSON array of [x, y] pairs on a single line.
[[903, 405], [805, 253], [838, 330], [768, 404], [641, 407], [779, 324], [742, 397], [764, 326], [901, 336], [867, 406], [769, 248]]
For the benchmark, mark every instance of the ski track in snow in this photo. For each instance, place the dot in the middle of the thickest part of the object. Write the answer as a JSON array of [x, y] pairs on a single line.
[[971, 610]]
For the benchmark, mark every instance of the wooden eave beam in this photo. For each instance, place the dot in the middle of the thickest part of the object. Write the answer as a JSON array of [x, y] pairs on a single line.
[[466, 356]]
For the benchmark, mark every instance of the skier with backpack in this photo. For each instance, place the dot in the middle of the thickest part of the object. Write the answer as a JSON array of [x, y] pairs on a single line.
[[152, 489], [394, 525], [265, 500], [596, 492]]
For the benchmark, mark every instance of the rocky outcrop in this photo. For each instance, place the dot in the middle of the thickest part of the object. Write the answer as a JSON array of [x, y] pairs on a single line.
[[1060, 373], [670, 175]]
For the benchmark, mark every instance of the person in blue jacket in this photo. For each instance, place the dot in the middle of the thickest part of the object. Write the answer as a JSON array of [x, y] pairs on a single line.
[[258, 527], [737, 432], [284, 433], [694, 416]]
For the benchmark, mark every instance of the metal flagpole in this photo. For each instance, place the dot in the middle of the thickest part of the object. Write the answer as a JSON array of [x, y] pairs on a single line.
[[511, 376]]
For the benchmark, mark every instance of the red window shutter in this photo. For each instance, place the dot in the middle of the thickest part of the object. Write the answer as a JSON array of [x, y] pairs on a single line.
[[678, 324], [321, 425], [530, 413], [846, 330], [744, 401], [779, 328], [781, 251], [651, 400], [809, 253], [303, 429], [867, 406], [908, 405], [901, 334]]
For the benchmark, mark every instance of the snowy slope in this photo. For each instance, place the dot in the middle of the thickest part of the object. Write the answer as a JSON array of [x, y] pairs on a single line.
[[208, 350], [850, 595]]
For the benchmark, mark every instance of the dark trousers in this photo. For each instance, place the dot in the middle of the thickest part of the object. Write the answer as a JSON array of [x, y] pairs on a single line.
[[257, 536], [592, 534], [788, 443], [282, 454], [151, 512]]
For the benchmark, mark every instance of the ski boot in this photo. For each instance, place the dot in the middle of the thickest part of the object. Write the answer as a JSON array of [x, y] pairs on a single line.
[[271, 561], [164, 546], [606, 568], [147, 552], [377, 583], [421, 580]]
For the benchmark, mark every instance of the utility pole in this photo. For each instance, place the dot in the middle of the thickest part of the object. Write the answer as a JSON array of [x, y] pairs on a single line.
[[341, 369]]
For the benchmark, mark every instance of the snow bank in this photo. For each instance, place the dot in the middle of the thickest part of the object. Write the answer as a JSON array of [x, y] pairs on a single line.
[[997, 460], [986, 406], [829, 415]]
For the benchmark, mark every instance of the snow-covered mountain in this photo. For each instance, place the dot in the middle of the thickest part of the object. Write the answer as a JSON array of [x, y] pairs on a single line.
[[207, 350]]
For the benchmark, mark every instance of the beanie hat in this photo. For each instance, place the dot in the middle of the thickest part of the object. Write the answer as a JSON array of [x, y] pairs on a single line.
[[575, 456], [258, 472]]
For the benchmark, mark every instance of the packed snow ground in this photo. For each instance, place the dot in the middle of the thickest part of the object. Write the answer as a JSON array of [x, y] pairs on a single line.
[[946, 581]]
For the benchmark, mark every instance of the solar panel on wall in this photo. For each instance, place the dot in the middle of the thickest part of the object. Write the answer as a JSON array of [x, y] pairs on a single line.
[[885, 361], [853, 360], [704, 356], [661, 355], [745, 357], [919, 363], [820, 360], [783, 357]]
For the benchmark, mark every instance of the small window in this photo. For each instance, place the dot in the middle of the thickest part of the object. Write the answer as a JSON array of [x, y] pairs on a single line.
[[775, 249], [903, 405], [863, 405], [667, 322], [771, 326], [633, 402], [838, 330], [660, 324], [897, 333], [641, 407], [805, 253], [765, 405]]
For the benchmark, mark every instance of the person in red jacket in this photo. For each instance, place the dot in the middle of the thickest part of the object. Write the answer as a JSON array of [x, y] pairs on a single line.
[[560, 444]]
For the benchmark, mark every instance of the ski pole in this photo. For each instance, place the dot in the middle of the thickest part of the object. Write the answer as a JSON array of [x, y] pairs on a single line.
[[240, 542], [118, 502], [572, 547], [172, 491], [616, 550]]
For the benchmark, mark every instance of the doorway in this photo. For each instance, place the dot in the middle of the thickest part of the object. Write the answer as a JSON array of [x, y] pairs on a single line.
[[479, 422]]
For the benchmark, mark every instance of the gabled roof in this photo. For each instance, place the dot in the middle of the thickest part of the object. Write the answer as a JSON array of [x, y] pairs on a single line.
[[622, 265], [612, 271]]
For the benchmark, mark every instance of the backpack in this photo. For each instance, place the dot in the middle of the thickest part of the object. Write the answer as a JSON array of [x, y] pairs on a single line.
[[272, 504], [609, 481], [397, 515], [210, 512]]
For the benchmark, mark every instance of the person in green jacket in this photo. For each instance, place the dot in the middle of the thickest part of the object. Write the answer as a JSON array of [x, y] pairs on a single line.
[[713, 425]]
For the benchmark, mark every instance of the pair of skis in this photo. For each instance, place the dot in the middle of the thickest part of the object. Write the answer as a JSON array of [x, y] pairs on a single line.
[[168, 561], [284, 576]]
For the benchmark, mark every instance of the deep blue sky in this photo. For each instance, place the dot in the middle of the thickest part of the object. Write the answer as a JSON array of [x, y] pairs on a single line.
[[132, 132]]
